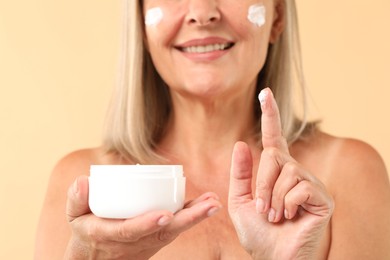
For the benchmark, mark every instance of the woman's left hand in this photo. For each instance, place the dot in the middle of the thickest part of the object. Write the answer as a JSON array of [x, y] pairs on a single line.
[[291, 208]]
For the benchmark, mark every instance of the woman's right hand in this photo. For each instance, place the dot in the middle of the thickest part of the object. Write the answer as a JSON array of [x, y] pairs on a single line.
[[136, 238]]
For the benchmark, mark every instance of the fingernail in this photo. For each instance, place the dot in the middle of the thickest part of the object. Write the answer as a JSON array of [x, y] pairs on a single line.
[[260, 206], [212, 211], [263, 96], [286, 215], [164, 220], [271, 215]]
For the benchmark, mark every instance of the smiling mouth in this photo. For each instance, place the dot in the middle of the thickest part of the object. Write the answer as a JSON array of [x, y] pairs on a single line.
[[206, 48]]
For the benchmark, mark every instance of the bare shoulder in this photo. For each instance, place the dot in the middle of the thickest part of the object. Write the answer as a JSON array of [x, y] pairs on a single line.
[[355, 174], [336, 159], [356, 154], [66, 171], [69, 167], [78, 162], [351, 159], [53, 217]]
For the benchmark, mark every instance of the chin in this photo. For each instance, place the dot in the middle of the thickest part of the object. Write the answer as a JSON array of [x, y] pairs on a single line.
[[206, 89]]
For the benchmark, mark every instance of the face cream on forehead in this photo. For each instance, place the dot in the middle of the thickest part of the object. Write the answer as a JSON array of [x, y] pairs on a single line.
[[153, 16], [256, 14]]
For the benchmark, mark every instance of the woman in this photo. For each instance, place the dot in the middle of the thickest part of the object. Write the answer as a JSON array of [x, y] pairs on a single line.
[[192, 71]]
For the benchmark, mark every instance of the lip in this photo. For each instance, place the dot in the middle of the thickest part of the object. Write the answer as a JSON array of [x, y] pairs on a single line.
[[203, 42], [207, 56]]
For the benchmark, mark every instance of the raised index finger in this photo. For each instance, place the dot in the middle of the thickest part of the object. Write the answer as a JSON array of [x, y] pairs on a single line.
[[271, 127]]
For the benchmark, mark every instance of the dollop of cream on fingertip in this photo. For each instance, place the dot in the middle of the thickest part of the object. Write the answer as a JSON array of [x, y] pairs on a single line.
[[153, 16], [256, 14], [263, 96]]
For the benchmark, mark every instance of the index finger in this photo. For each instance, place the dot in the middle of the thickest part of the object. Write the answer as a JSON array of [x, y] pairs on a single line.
[[271, 126]]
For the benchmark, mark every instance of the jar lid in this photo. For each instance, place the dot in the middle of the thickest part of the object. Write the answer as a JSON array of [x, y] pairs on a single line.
[[138, 171]]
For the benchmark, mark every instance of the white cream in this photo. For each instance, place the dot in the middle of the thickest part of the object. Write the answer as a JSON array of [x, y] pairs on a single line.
[[263, 96], [153, 16], [256, 14]]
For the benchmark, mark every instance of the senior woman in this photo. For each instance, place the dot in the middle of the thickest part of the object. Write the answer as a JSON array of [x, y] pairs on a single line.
[[262, 182]]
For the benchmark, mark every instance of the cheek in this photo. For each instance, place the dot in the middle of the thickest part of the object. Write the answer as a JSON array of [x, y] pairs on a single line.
[[251, 23], [252, 17], [153, 17], [161, 24], [159, 36], [257, 14]]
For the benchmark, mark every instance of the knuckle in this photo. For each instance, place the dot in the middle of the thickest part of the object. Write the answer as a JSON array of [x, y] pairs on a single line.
[[271, 152], [166, 236], [70, 217], [125, 234], [292, 167], [210, 195], [293, 170], [194, 218], [263, 187], [306, 187], [93, 233]]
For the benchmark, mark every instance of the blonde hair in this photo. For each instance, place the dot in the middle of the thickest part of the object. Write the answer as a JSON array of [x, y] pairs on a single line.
[[141, 103]]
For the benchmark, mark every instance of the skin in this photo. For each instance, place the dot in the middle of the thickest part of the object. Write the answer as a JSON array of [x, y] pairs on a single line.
[[320, 198]]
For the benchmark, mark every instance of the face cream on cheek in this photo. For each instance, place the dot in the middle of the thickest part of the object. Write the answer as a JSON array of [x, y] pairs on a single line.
[[153, 16], [256, 14]]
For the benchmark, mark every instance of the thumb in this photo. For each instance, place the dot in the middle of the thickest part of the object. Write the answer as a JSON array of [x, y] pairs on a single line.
[[77, 203], [240, 189]]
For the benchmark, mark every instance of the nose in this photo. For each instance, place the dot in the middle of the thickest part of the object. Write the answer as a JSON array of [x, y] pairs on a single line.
[[202, 12]]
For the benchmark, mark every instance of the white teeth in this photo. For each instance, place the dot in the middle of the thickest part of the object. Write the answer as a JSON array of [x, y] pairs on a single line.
[[206, 48]]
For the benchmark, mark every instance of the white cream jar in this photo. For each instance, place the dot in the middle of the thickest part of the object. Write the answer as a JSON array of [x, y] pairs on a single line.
[[126, 191]]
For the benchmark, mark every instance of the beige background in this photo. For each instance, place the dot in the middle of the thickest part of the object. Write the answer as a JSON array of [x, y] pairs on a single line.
[[57, 66]]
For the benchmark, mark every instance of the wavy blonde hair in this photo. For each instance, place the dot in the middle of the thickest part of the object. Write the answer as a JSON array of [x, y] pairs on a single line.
[[140, 106]]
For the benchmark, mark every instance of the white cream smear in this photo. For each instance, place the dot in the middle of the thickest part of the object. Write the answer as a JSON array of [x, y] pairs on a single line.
[[262, 96], [153, 16], [256, 14]]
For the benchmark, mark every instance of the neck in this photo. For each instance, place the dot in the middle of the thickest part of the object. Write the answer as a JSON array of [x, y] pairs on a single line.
[[205, 130]]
